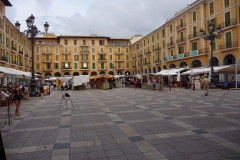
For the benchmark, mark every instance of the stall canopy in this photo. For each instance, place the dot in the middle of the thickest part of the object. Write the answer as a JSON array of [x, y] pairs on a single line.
[[118, 76], [170, 72], [79, 80], [13, 73], [138, 76], [64, 79], [202, 70]]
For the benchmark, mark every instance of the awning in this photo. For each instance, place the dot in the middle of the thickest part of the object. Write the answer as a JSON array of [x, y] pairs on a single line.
[[202, 70], [13, 73], [170, 72], [64, 79]]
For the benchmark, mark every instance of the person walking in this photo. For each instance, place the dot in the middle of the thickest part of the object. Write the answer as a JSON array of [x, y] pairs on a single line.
[[161, 82], [206, 83], [17, 97], [154, 83], [170, 83], [135, 83]]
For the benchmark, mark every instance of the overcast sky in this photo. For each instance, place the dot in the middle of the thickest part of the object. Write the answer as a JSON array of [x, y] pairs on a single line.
[[113, 18]]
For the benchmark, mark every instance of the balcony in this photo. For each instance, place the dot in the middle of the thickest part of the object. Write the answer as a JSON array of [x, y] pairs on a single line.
[[66, 68], [171, 44], [84, 44], [102, 69], [46, 60], [20, 64], [14, 49], [4, 59], [165, 59], [147, 64], [119, 60], [66, 60], [84, 60], [194, 36], [66, 53], [181, 40], [228, 24], [102, 59], [180, 55], [20, 52], [85, 68], [169, 58], [26, 55], [118, 53], [140, 56], [101, 52], [148, 53], [228, 46], [84, 52], [13, 63], [158, 49], [134, 58], [157, 61], [181, 26], [47, 53], [195, 52], [47, 69], [119, 68], [134, 66]]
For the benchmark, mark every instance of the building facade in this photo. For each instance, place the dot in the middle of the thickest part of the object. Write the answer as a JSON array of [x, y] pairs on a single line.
[[81, 55], [15, 48], [177, 43]]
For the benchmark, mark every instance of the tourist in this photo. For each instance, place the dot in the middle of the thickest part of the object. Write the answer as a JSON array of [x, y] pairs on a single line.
[[17, 98], [206, 83], [170, 83], [161, 83], [154, 83]]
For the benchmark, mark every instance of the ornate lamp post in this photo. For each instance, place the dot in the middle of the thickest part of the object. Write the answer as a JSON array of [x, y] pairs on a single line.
[[211, 36], [32, 32]]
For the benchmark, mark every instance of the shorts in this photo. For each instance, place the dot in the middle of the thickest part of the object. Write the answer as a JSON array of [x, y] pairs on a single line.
[[17, 98], [154, 85]]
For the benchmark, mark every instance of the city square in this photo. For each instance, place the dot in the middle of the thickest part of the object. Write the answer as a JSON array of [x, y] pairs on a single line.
[[126, 123]]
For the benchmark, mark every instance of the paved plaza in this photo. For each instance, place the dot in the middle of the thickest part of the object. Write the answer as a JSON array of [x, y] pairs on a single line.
[[127, 124]]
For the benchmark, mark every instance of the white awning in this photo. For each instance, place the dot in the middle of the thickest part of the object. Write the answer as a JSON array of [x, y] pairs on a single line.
[[64, 79], [202, 70], [170, 72]]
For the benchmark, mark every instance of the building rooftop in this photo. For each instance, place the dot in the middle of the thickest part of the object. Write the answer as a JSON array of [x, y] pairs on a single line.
[[7, 3]]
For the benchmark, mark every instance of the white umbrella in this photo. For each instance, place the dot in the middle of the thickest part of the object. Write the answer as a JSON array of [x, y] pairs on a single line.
[[178, 76]]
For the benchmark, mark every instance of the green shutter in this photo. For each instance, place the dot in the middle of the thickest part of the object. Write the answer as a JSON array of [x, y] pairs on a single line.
[[93, 50], [227, 19], [102, 65], [126, 50], [75, 65], [228, 40], [110, 64], [93, 57], [93, 66]]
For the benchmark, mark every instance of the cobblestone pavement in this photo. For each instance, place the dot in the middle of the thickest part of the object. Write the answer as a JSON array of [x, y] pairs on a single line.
[[124, 123]]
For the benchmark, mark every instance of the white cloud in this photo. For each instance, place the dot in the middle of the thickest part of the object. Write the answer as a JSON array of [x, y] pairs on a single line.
[[114, 18]]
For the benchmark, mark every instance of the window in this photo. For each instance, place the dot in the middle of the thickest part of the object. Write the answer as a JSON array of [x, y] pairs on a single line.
[[126, 50], [211, 8], [47, 57], [66, 57], [127, 65], [228, 39], [226, 3], [56, 66], [38, 66], [65, 42], [40, 42], [93, 42], [194, 31], [48, 65], [37, 57], [119, 57], [56, 49], [171, 51], [163, 44], [102, 65], [181, 36], [93, 50], [157, 36], [110, 50], [214, 46], [170, 28], [75, 49], [118, 50], [148, 41], [127, 57], [110, 57], [84, 57], [93, 57], [163, 33], [227, 19], [111, 65], [93, 66], [75, 66], [84, 42], [194, 46], [194, 18], [180, 49], [171, 40], [37, 49], [75, 57], [101, 42], [214, 21], [181, 22], [101, 49], [66, 49], [75, 42], [56, 57], [152, 38]]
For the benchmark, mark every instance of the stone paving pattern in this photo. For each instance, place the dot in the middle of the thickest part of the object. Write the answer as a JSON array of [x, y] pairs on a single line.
[[126, 124]]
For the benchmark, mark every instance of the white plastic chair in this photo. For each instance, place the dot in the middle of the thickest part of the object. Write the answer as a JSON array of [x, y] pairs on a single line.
[[66, 99]]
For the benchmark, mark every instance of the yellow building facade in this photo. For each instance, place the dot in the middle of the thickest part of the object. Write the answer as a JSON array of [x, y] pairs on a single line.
[[15, 48], [81, 55], [177, 43]]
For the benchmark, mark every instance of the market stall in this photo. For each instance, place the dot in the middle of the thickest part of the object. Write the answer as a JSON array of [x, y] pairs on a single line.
[[80, 82], [102, 81]]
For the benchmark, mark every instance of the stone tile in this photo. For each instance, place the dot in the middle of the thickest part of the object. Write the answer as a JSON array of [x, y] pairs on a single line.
[[154, 155], [27, 149], [61, 157], [199, 131], [61, 146], [136, 138]]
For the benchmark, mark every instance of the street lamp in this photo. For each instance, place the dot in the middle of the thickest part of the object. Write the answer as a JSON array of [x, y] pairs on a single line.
[[32, 32], [211, 36]]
